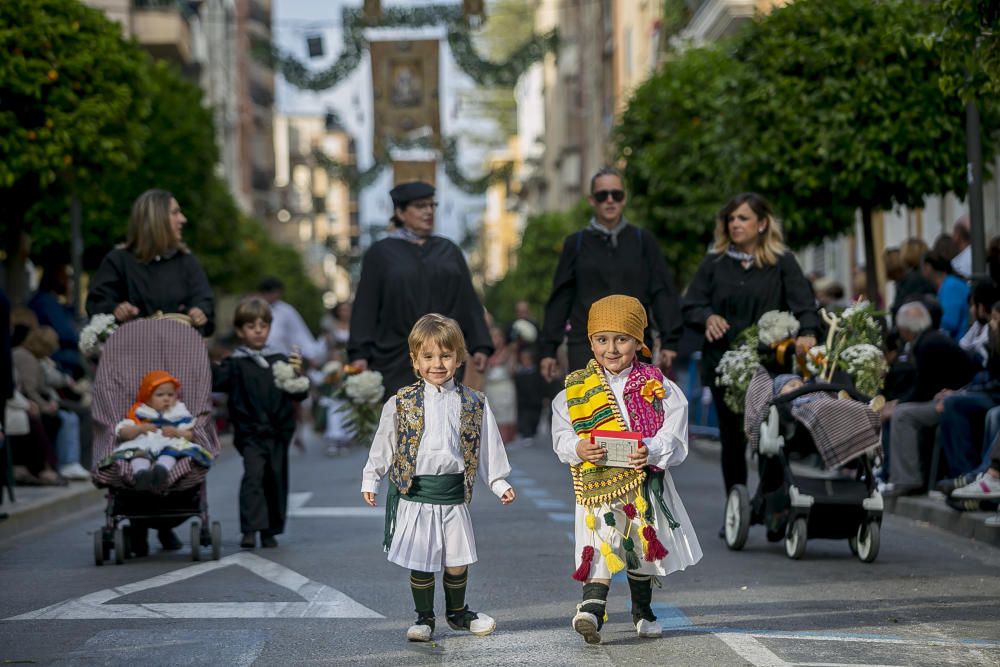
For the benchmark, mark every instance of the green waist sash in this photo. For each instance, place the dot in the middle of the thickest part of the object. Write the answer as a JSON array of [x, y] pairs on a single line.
[[431, 489]]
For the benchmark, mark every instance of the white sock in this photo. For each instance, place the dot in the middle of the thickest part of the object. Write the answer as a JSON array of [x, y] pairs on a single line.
[[139, 463], [166, 461]]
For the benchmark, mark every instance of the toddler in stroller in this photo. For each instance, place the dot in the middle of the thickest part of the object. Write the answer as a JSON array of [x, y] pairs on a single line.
[[831, 424], [168, 484], [157, 432]]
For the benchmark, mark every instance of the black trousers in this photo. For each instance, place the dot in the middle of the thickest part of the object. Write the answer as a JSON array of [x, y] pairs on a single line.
[[734, 441], [264, 489]]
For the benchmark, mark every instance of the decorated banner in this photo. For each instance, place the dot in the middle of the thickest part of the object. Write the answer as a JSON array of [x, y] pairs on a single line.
[[405, 87], [404, 171]]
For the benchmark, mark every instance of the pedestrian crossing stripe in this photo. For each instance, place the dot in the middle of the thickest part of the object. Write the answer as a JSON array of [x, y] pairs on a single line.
[[319, 600], [297, 509]]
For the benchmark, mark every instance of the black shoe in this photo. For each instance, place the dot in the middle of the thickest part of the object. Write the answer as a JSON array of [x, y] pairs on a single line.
[[143, 480], [249, 541], [168, 539], [722, 532], [267, 540], [139, 541]]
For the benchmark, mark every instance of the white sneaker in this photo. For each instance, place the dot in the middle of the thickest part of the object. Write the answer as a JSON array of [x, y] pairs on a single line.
[[650, 629], [74, 471], [420, 632], [480, 626], [985, 486], [586, 624]]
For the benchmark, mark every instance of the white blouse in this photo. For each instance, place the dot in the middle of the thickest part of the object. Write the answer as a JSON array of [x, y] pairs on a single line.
[[440, 450], [669, 447]]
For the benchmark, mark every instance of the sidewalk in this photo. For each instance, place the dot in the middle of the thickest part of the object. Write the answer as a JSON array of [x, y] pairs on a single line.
[[38, 505], [931, 510]]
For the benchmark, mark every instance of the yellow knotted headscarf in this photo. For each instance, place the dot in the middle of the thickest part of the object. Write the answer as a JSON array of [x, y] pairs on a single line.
[[621, 314]]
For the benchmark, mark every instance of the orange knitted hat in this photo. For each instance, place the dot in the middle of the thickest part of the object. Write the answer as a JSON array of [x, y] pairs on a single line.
[[150, 381], [621, 314]]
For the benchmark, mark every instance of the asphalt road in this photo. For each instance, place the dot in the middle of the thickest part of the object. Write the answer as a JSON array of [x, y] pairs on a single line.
[[327, 595]]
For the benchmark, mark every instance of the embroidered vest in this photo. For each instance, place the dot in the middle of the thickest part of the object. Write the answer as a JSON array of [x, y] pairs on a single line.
[[592, 405], [410, 428]]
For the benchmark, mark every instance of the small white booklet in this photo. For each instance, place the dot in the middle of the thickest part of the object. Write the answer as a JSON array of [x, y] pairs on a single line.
[[618, 445]]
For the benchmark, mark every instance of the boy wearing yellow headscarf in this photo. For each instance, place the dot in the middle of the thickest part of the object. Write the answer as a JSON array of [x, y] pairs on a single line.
[[627, 518]]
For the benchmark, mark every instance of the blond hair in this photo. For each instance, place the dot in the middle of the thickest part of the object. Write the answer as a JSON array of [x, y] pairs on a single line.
[[770, 244], [435, 328], [41, 342], [912, 252], [149, 234]]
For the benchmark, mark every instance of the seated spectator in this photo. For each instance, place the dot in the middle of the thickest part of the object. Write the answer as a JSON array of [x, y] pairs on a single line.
[[975, 341], [939, 364], [952, 294], [961, 234], [49, 304], [61, 426]]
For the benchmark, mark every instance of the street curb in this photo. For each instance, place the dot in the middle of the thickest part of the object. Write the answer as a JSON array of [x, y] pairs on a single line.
[[933, 511], [24, 515]]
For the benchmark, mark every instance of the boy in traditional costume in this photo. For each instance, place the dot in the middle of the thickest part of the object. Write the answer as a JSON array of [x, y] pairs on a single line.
[[627, 518], [433, 438]]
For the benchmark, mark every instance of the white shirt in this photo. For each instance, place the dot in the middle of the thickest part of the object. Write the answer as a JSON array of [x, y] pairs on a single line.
[[669, 447], [976, 340], [962, 262], [440, 450], [289, 330]]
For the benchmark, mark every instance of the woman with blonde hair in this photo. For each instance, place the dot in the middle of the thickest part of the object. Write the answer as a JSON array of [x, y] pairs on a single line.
[[913, 284], [153, 271], [747, 273]]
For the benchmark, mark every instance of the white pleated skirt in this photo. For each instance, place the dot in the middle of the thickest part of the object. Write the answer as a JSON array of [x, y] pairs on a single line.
[[681, 542], [429, 538]]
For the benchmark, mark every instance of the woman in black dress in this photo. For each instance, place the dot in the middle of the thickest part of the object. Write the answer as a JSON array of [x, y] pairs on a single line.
[[154, 271], [405, 276], [747, 273]]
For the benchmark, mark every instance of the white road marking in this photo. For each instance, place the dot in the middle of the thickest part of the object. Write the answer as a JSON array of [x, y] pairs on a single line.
[[319, 600], [297, 509], [752, 650]]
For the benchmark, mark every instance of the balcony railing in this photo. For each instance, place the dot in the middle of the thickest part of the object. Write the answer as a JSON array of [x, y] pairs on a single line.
[[161, 28]]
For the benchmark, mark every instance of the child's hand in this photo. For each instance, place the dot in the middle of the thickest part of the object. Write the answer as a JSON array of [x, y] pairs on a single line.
[[369, 497], [147, 428], [639, 459], [508, 496], [590, 452]]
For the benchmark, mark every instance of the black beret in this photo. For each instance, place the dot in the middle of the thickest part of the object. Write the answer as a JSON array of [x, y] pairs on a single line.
[[404, 193]]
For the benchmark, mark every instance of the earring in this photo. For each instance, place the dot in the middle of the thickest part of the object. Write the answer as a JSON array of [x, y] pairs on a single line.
[[760, 231]]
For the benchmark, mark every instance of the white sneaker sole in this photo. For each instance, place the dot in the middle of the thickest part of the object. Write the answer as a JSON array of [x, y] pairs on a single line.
[[479, 632], [587, 628], [414, 634]]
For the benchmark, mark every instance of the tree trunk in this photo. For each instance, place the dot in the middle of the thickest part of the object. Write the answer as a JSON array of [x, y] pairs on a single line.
[[871, 275]]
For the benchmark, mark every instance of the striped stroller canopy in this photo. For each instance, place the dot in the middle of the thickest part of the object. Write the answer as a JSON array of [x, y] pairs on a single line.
[[133, 350]]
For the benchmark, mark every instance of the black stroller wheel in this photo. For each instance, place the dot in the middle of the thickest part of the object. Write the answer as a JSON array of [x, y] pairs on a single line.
[[119, 545], [737, 525], [99, 547], [195, 541], [868, 544], [216, 540], [795, 540]]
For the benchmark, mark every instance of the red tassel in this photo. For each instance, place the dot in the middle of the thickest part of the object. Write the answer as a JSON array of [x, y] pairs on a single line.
[[630, 512], [586, 556], [654, 548]]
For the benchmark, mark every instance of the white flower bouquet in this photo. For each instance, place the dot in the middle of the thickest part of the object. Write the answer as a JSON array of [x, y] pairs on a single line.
[[98, 330], [866, 365], [287, 378], [776, 326], [362, 394], [734, 373]]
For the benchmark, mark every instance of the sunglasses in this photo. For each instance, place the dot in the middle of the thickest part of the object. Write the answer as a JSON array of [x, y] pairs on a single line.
[[601, 196]]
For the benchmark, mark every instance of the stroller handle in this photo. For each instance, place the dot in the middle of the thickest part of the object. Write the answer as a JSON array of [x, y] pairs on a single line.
[[825, 387]]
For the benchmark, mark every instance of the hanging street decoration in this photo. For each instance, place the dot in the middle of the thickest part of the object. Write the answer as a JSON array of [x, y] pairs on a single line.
[[359, 179], [355, 21]]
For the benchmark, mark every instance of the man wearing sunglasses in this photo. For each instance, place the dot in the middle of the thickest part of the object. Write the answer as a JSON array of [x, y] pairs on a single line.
[[610, 256]]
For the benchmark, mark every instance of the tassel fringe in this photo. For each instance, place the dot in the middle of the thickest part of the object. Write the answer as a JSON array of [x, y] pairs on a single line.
[[586, 558], [654, 548], [611, 559]]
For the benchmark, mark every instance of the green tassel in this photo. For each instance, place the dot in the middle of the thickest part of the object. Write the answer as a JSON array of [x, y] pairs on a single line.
[[631, 558], [609, 519]]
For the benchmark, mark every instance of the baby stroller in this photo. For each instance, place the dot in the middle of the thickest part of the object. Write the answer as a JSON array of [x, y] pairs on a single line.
[[131, 351], [843, 432]]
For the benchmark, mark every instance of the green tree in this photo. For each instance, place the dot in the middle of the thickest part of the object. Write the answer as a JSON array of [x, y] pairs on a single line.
[[842, 110], [73, 104], [970, 48], [538, 255], [680, 152]]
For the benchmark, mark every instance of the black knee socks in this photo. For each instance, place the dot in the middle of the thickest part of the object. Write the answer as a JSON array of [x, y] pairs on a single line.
[[422, 587], [454, 591], [595, 600], [641, 587]]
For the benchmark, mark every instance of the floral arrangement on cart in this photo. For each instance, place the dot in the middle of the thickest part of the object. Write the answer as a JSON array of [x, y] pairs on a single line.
[[853, 345]]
